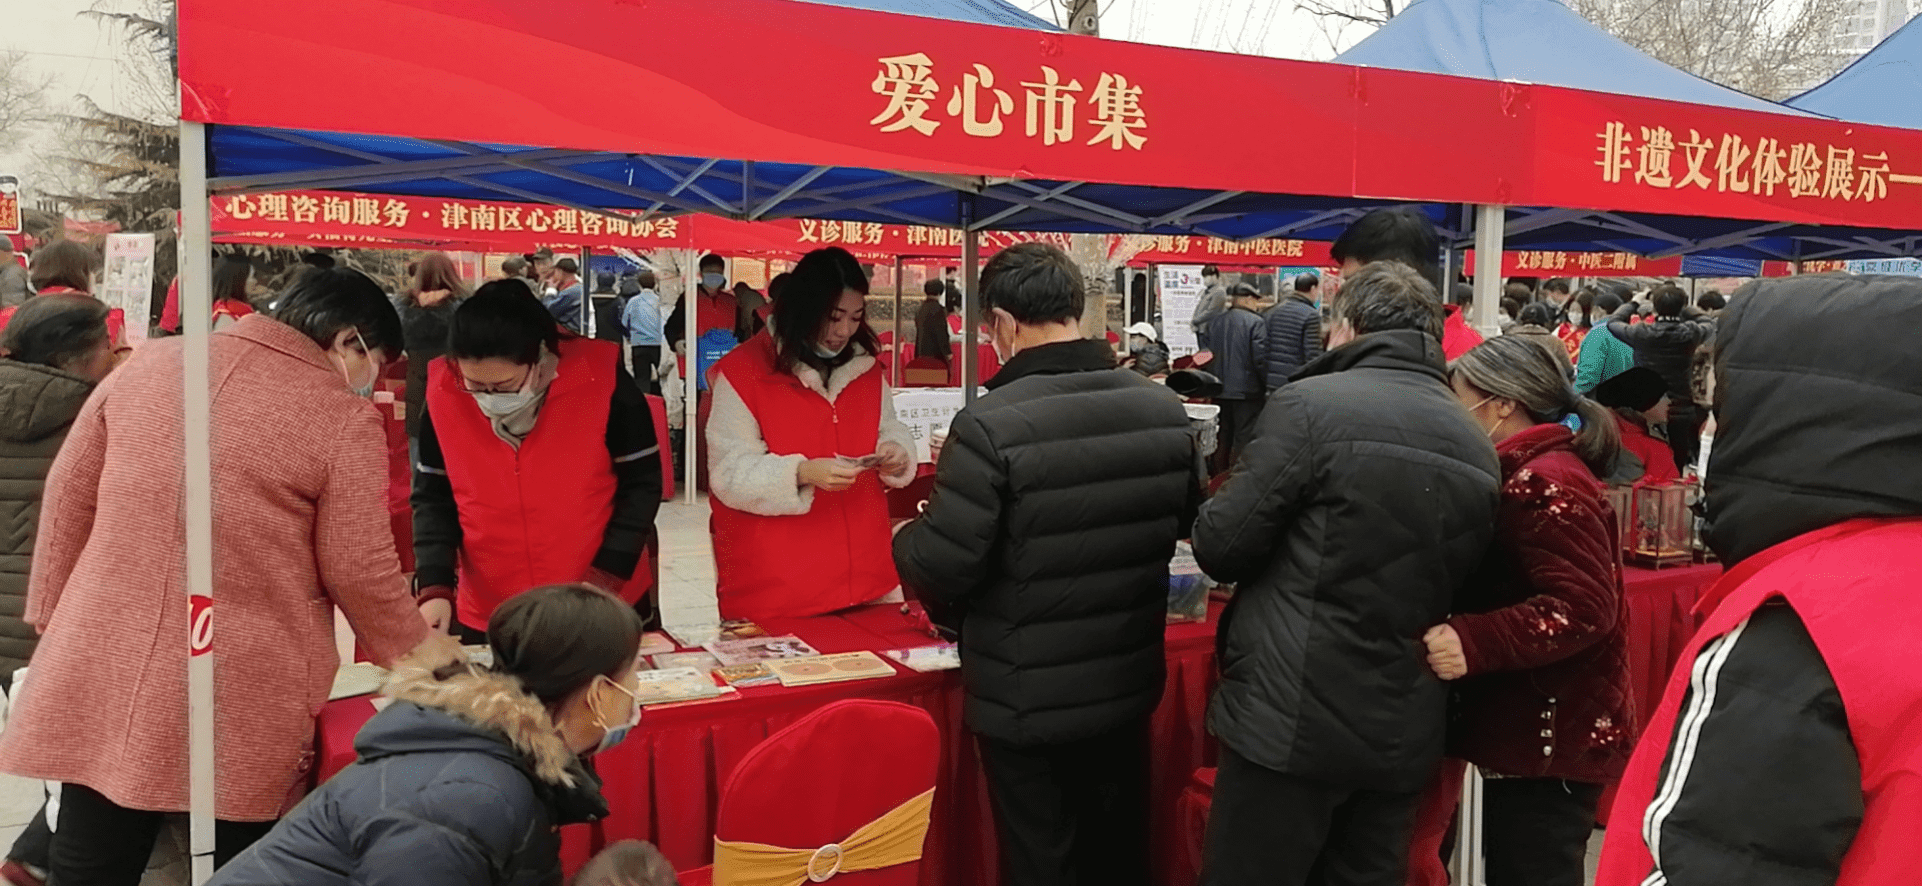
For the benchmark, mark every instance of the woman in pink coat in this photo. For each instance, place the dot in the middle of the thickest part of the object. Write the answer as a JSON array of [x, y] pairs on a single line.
[[300, 526]]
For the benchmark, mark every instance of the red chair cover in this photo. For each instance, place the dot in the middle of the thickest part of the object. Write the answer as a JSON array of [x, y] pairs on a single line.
[[824, 777]]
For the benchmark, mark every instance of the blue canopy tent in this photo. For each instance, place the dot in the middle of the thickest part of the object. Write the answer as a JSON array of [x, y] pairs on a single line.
[[1884, 87], [1545, 42]]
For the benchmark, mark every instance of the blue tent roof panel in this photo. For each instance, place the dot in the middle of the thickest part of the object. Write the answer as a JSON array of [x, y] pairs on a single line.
[[1532, 41], [1884, 87]]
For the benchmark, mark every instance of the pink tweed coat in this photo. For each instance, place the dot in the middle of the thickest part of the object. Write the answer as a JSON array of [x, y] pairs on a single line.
[[300, 525]]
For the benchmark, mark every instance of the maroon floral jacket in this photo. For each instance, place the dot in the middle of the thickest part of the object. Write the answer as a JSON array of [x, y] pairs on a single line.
[[1543, 625]]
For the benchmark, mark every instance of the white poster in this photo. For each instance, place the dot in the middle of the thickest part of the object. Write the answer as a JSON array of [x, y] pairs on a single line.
[[128, 281], [925, 411], [1181, 291]]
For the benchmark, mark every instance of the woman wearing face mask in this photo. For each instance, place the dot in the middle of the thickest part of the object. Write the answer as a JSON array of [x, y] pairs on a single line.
[[800, 518], [538, 462], [300, 527], [465, 778], [1538, 645]]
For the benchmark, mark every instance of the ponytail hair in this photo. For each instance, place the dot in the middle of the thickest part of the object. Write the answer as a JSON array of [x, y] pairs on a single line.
[[1515, 369]]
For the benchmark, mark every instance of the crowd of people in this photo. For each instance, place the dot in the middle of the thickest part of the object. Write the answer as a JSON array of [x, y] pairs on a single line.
[[1426, 568]]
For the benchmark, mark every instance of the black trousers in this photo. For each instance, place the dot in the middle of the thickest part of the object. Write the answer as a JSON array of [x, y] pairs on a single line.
[[1685, 431], [1073, 814], [1236, 428], [1268, 828], [647, 360], [1535, 831], [98, 843]]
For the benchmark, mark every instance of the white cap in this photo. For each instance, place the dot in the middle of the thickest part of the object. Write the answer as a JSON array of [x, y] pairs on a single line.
[[1144, 330]]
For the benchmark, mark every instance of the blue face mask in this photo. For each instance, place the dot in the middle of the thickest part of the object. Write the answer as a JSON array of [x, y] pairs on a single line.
[[713, 281], [614, 735], [366, 390]]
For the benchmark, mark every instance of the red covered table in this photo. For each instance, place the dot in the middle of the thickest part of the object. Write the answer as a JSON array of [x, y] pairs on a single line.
[[1661, 604], [663, 784]]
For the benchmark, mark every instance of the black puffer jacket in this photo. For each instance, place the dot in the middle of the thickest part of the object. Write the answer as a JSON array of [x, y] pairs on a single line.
[[37, 406], [1666, 345], [1367, 498], [461, 782], [1057, 504], [424, 335], [1294, 339]]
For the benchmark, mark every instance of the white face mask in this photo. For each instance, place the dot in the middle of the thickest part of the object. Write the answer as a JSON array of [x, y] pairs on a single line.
[[1487, 432], [826, 353], [366, 390], [506, 403]]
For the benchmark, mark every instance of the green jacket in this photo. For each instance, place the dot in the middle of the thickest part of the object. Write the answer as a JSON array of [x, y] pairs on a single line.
[[1603, 357]]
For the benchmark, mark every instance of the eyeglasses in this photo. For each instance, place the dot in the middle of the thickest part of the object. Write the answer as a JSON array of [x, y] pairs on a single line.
[[498, 387]]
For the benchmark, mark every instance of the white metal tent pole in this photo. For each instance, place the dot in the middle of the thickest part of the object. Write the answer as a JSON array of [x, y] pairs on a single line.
[[196, 304], [971, 301], [1489, 222], [1468, 852], [690, 306], [894, 353], [587, 293]]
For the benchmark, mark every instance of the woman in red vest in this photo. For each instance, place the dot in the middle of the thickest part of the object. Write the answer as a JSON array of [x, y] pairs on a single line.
[[538, 462], [800, 517], [66, 267], [1538, 643]]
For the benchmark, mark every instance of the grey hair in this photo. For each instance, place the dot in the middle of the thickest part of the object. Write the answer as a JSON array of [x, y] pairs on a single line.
[[1514, 369], [1387, 295]]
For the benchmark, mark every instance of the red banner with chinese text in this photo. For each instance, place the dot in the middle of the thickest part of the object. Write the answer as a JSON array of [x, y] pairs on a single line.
[[888, 91]]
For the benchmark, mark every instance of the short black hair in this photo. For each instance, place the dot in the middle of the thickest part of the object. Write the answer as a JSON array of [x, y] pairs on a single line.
[[1463, 293], [1035, 283], [1711, 301], [1669, 301], [711, 260], [318, 259], [934, 288], [808, 299], [324, 302], [1400, 233], [58, 330], [1304, 282], [1607, 301], [1211, 271], [567, 265], [1556, 284], [557, 639], [230, 277], [1389, 295], [502, 319], [1541, 313], [645, 279], [1509, 306]]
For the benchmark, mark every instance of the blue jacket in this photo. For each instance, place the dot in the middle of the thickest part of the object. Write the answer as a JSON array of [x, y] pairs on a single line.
[[439, 796]]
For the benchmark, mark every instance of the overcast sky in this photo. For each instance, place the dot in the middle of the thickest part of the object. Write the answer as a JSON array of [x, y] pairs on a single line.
[[79, 52]]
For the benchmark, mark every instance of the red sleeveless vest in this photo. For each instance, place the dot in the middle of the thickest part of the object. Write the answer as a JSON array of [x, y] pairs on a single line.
[[533, 516], [1854, 585], [839, 553]]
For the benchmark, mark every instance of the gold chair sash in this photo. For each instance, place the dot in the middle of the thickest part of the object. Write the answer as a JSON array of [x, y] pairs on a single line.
[[894, 838]]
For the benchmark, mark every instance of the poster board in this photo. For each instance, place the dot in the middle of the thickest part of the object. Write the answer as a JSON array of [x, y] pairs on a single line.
[[1181, 289], [925, 411], [127, 281]]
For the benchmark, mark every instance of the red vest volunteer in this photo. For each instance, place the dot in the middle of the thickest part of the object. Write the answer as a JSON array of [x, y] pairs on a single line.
[[538, 462], [797, 530]]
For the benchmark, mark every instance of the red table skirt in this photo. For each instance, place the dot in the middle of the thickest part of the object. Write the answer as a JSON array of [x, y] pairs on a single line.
[[664, 783]]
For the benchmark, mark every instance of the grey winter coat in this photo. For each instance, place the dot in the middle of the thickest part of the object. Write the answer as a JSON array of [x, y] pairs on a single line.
[[1350, 523], [37, 406], [1239, 339], [460, 782]]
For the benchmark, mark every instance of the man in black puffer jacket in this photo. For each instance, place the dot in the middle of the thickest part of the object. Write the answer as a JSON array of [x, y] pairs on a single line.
[[1366, 499], [1058, 501]]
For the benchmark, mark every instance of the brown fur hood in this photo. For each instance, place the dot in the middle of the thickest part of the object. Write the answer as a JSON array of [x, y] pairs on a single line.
[[438, 675]]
